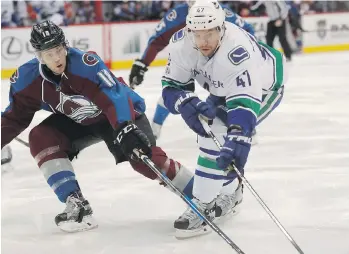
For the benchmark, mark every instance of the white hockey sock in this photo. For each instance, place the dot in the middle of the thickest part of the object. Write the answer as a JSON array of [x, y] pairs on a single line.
[[208, 180]]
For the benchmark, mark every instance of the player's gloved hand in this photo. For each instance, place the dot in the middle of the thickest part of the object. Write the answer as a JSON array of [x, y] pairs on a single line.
[[236, 148], [137, 73], [129, 137], [190, 107]]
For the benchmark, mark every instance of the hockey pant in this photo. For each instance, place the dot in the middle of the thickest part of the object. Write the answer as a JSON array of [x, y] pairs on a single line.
[[58, 139]]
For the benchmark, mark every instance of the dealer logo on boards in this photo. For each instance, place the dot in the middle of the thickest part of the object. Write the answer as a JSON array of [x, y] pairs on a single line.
[[12, 48], [331, 30]]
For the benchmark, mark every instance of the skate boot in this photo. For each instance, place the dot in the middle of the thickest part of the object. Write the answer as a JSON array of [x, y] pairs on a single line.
[[189, 224], [227, 205], [6, 155], [77, 216]]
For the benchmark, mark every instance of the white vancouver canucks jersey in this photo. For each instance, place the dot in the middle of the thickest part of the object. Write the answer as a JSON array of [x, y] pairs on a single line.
[[242, 70]]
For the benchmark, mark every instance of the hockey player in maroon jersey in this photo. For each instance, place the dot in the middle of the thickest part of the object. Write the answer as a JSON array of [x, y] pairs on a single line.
[[88, 105]]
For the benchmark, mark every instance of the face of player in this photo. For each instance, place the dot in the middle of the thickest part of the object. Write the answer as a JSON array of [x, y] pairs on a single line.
[[206, 40], [55, 59]]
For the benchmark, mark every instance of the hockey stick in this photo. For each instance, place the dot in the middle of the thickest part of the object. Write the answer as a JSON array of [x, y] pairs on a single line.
[[22, 142], [167, 181], [249, 186]]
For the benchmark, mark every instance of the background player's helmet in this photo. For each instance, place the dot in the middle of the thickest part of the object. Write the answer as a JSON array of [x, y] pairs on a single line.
[[204, 15], [46, 35]]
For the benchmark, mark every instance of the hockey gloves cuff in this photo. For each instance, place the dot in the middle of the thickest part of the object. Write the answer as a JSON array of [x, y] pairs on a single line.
[[236, 148], [137, 73]]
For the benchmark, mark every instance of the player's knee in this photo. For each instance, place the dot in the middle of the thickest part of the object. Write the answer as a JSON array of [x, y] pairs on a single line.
[[47, 143], [161, 160]]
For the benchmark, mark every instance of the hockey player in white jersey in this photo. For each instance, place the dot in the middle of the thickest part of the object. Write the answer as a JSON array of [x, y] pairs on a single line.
[[245, 80]]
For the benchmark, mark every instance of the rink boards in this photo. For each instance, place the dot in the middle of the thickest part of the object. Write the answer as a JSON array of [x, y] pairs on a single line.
[[120, 43]]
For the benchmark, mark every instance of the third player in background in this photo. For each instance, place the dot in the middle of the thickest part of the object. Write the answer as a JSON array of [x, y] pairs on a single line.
[[173, 21]]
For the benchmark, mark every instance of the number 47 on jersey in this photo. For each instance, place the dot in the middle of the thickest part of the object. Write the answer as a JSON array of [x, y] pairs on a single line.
[[243, 79]]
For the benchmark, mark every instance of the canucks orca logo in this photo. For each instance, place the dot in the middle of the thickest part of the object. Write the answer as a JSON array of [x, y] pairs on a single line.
[[238, 55], [77, 107]]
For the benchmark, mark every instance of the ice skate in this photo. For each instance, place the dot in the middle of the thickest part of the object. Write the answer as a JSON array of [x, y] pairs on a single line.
[[228, 205], [6, 155], [77, 216], [189, 224]]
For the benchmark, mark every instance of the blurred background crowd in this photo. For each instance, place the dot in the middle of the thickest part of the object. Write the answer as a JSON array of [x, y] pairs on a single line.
[[25, 13]]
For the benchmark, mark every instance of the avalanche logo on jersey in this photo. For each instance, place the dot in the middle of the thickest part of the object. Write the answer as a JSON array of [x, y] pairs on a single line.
[[77, 107]]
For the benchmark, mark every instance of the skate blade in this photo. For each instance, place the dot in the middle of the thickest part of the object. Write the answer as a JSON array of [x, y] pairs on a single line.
[[181, 234], [228, 215], [87, 223]]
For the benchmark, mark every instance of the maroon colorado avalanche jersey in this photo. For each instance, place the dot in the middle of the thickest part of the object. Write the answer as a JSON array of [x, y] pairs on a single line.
[[87, 93]]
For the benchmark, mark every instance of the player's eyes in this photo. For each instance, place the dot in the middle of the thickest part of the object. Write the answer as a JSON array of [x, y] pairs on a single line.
[[204, 37], [47, 55]]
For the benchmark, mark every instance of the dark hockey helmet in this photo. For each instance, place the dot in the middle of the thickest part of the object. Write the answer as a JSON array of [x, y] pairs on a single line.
[[46, 35]]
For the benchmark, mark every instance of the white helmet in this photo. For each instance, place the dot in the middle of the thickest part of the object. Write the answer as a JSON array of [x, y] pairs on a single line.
[[205, 14]]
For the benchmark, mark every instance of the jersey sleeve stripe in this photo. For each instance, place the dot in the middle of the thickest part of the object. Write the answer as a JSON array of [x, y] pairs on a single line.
[[244, 103], [243, 108], [174, 83], [243, 96], [278, 65]]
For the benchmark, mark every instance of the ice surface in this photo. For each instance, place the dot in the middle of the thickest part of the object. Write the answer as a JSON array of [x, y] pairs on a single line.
[[300, 168]]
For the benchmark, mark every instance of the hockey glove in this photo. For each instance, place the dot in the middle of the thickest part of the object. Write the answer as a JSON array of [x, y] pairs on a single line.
[[235, 149], [190, 107], [137, 73], [129, 137]]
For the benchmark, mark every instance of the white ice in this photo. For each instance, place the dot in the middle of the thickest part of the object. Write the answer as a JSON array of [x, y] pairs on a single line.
[[300, 168]]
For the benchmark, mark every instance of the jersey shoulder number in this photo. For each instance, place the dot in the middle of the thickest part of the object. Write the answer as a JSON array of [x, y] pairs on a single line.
[[172, 15]]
